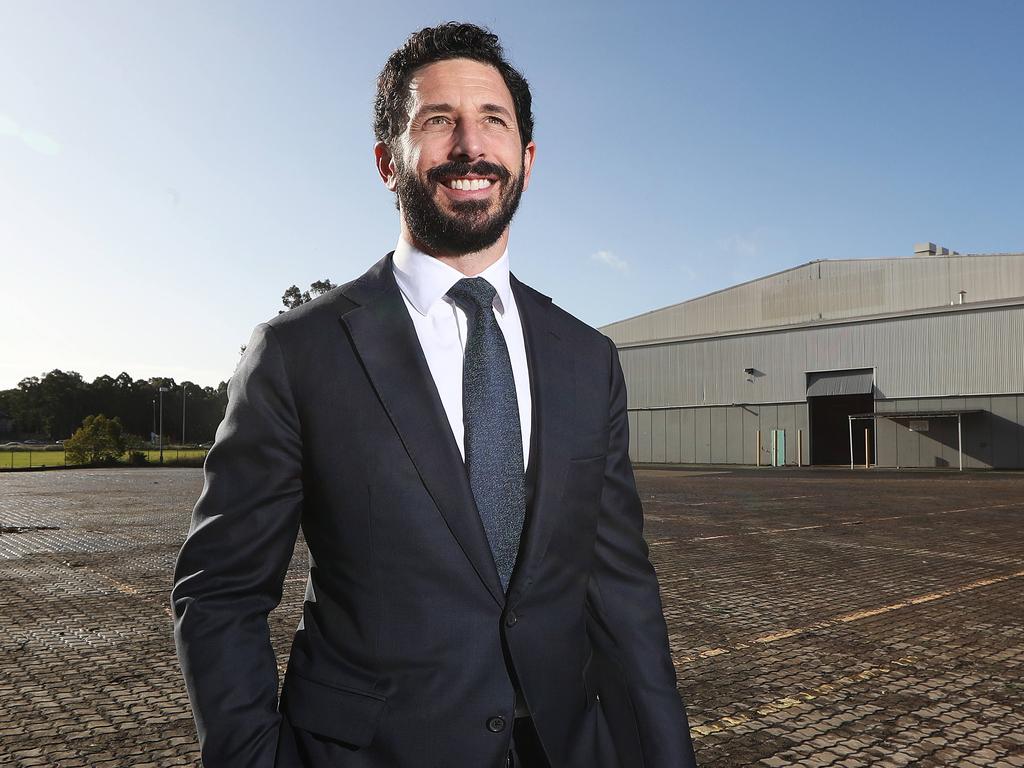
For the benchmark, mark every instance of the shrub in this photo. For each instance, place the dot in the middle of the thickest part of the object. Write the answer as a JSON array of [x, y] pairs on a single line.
[[137, 459], [98, 441]]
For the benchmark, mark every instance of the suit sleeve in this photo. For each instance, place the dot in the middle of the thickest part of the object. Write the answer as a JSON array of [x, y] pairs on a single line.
[[625, 604], [230, 571]]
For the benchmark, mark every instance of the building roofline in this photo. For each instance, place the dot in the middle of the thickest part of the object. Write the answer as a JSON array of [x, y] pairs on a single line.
[[1015, 301], [712, 293], [793, 269]]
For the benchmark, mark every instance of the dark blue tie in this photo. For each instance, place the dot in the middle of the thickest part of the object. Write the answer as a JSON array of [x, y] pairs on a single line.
[[490, 414]]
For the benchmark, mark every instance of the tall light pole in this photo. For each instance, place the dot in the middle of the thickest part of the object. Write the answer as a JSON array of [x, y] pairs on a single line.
[[184, 396], [153, 432], [162, 390]]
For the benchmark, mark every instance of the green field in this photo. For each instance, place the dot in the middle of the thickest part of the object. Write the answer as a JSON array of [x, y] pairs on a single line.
[[22, 458], [170, 454], [16, 459]]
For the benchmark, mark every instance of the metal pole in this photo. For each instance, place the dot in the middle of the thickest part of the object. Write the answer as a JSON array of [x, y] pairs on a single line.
[[959, 442], [799, 447], [874, 434], [867, 453], [184, 396], [153, 431], [757, 456], [850, 418], [162, 390]]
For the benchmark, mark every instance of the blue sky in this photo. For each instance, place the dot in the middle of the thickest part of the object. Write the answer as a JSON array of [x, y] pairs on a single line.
[[168, 169]]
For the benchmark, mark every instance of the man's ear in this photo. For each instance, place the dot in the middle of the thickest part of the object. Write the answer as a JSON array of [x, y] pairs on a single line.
[[529, 153], [386, 165]]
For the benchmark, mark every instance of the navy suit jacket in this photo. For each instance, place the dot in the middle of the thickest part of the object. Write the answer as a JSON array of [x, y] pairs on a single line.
[[409, 652]]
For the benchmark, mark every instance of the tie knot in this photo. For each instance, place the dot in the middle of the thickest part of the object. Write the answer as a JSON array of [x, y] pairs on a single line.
[[474, 292]]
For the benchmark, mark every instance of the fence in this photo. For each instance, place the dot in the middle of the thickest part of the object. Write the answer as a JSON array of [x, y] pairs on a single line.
[[46, 457]]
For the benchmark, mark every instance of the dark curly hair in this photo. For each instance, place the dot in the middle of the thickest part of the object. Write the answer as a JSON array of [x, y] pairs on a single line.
[[450, 40]]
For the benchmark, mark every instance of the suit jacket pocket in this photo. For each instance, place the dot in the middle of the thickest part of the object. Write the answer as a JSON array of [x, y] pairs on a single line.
[[344, 714]]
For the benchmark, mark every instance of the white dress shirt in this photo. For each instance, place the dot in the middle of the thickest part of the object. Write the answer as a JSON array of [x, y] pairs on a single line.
[[441, 326]]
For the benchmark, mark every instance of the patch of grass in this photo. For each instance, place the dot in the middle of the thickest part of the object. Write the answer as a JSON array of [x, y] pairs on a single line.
[[18, 459], [21, 459], [176, 455]]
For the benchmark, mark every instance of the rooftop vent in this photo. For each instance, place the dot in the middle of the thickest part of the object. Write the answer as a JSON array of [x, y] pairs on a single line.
[[931, 249]]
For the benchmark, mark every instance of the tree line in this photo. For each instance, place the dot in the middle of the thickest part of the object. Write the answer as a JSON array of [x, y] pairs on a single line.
[[54, 405]]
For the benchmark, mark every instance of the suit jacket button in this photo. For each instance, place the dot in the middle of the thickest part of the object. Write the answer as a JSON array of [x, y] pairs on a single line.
[[496, 724], [511, 619]]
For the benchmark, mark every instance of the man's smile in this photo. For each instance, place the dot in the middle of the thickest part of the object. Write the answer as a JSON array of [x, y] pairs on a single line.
[[469, 184], [466, 182], [469, 187]]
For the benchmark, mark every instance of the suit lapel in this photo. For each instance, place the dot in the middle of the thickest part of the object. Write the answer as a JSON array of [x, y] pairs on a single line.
[[385, 340], [552, 384]]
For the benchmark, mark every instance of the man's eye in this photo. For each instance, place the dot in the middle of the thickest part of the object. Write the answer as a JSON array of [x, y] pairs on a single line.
[[496, 120], [436, 120]]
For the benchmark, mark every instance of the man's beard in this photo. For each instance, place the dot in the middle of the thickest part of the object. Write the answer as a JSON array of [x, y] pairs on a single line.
[[468, 229]]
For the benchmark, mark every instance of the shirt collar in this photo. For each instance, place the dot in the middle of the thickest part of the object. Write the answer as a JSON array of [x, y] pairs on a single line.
[[425, 280]]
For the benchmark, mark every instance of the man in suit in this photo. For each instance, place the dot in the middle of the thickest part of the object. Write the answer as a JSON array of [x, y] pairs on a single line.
[[454, 447]]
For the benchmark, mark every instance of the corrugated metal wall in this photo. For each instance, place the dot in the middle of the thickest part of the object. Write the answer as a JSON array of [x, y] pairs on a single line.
[[726, 435], [827, 290], [962, 351], [692, 402], [991, 439]]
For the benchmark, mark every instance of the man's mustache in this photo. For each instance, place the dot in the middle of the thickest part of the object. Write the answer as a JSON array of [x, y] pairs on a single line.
[[455, 169]]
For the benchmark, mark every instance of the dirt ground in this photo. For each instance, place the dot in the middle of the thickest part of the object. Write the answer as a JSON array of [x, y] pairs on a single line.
[[817, 618]]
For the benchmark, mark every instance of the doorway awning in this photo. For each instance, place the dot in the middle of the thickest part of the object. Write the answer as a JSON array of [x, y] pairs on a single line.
[[852, 382], [895, 416]]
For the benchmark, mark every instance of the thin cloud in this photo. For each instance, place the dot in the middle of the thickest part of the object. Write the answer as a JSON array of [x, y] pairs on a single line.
[[609, 259], [741, 245], [34, 140]]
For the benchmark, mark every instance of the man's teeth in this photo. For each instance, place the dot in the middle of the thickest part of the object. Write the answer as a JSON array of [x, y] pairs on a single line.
[[469, 183]]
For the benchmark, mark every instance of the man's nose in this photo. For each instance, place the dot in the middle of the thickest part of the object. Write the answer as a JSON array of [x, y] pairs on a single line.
[[468, 141]]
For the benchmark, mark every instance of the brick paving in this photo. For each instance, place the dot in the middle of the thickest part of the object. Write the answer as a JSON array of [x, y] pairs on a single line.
[[817, 618]]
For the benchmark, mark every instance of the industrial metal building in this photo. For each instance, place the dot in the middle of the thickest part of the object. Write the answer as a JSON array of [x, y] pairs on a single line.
[[897, 362]]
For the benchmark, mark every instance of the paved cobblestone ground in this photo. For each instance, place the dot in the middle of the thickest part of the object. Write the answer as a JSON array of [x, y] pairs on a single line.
[[817, 618]]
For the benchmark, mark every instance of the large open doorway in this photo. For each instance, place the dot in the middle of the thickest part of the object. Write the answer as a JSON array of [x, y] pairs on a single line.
[[832, 397], [830, 428]]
